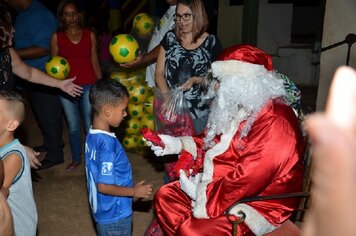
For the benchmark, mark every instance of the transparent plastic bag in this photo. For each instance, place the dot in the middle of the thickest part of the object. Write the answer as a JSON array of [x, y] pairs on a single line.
[[172, 114]]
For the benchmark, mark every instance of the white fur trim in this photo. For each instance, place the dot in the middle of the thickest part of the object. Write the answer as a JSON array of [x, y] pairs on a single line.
[[189, 145], [199, 210], [254, 220], [228, 68]]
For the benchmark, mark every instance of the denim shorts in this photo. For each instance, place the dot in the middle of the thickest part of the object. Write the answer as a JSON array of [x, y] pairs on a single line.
[[121, 227]]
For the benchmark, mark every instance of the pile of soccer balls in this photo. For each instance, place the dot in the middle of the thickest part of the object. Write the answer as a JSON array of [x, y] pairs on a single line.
[[139, 110]]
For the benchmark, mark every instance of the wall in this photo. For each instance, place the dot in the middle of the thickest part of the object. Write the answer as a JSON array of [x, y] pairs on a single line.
[[229, 28], [339, 20]]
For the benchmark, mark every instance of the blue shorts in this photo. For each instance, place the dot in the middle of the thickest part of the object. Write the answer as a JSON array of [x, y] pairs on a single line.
[[121, 227]]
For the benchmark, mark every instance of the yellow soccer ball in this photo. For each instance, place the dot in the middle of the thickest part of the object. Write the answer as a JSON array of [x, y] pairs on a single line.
[[143, 24], [122, 77], [147, 121], [137, 78], [133, 126], [148, 104], [57, 67], [138, 93], [130, 141], [136, 110], [124, 48]]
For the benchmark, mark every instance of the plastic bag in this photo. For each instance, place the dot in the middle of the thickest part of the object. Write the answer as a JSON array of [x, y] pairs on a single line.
[[173, 118], [173, 115]]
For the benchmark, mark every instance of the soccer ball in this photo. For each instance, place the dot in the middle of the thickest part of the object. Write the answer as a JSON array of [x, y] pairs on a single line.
[[133, 126], [137, 78], [130, 141], [143, 24], [121, 76], [57, 67], [136, 110], [147, 121], [138, 93], [148, 105], [124, 48]]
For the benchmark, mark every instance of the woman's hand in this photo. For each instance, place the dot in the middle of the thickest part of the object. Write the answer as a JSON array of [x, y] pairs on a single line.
[[189, 83], [32, 157], [71, 88], [137, 62]]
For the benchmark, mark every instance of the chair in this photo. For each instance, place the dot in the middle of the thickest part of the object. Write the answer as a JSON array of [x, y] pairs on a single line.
[[289, 227]]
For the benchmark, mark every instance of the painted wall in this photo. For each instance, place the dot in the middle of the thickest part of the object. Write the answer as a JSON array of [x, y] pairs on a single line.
[[229, 28], [339, 20]]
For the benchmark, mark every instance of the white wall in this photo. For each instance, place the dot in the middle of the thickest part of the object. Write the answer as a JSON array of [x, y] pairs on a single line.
[[339, 20], [229, 23]]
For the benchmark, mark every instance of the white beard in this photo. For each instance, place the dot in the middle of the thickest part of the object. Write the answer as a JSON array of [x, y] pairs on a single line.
[[240, 98]]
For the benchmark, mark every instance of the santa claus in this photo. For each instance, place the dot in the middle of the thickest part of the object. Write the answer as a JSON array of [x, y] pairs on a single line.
[[252, 146]]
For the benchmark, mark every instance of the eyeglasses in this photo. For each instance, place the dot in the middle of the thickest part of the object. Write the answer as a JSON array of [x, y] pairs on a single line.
[[185, 17]]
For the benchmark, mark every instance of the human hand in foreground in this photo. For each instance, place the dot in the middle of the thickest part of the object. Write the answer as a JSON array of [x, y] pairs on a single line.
[[71, 88], [333, 136], [172, 145], [142, 190], [32, 157], [189, 186]]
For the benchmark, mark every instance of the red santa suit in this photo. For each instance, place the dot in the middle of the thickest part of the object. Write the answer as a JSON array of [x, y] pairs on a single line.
[[266, 160]]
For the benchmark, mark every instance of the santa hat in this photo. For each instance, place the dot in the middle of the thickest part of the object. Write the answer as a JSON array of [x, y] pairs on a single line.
[[241, 60]]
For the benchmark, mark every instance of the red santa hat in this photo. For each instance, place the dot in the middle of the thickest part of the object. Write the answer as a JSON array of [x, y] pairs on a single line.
[[243, 60], [247, 53]]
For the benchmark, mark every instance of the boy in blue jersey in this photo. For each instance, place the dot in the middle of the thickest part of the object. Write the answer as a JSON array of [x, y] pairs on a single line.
[[108, 170]]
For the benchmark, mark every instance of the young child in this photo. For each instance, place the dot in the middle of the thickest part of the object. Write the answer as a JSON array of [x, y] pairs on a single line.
[[108, 170], [16, 166]]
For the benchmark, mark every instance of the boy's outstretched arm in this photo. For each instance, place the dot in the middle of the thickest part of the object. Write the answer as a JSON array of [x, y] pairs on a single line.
[[140, 190]]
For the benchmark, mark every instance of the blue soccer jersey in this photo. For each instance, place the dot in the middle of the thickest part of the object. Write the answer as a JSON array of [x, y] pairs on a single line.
[[106, 162]]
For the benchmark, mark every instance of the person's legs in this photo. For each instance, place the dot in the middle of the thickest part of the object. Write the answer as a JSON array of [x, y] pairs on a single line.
[[121, 227], [48, 112], [72, 115], [86, 108]]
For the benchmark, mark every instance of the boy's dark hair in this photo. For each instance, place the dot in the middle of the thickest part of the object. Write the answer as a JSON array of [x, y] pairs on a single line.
[[106, 91], [16, 103]]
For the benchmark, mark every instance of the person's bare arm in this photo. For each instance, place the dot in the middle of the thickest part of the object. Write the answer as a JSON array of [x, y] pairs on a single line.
[[145, 59], [6, 225], [94, 57], [34, 75], [160, 80], [140, 190], [54, 45], [12, 166]]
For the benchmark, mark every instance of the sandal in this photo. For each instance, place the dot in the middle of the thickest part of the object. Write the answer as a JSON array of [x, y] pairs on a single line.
[[72, 166]]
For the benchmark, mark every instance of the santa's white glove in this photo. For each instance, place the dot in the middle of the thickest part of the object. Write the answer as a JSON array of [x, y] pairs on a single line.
[[189, 186], [172, 145]]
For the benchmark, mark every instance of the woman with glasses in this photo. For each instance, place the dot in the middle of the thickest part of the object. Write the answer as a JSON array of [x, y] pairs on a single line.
[[78, 46], [185, 57]]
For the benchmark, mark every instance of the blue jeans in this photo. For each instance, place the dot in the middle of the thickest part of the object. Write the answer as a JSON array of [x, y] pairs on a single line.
[[76, 109], [121, 227]]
